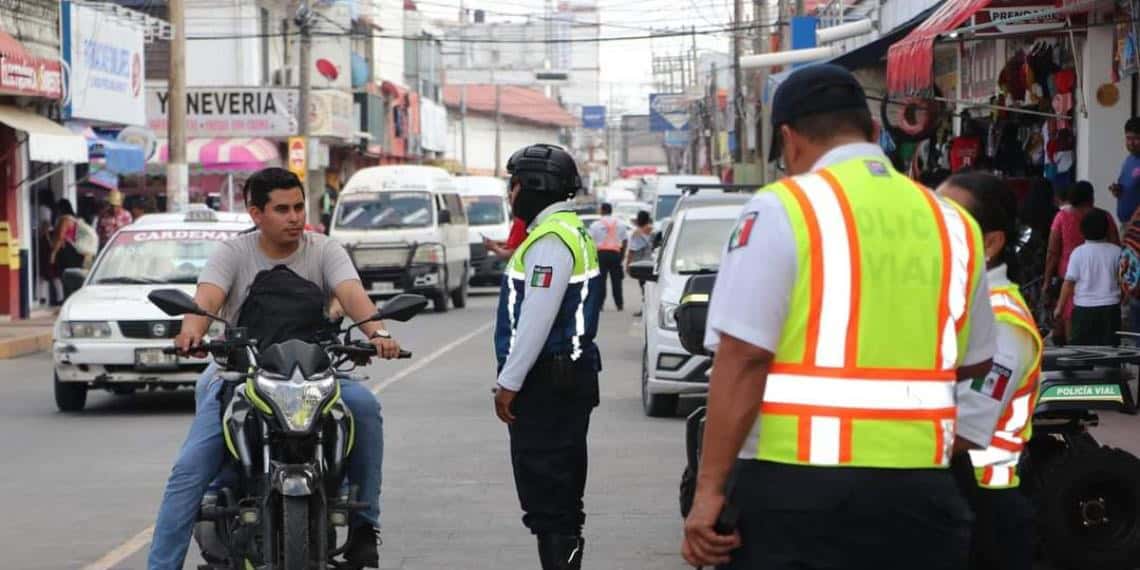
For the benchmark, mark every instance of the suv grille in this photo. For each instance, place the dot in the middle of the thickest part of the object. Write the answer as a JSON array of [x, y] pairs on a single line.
[[150, 329]]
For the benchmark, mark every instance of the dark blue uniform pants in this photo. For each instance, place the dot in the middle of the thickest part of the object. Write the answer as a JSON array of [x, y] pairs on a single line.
[[813, 518], [548, 449]]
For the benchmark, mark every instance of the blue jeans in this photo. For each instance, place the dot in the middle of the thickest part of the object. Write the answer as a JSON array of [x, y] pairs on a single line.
[[202, 453]]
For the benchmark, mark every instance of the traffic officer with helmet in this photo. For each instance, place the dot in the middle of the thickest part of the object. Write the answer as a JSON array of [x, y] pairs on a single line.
[[548, 363], [1003, 528], [849, 304]]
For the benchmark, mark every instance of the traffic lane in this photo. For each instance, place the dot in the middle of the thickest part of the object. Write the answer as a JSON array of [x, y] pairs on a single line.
[[103, 470]]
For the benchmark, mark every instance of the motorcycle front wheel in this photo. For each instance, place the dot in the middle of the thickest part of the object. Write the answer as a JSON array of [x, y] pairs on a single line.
[[295, 531]]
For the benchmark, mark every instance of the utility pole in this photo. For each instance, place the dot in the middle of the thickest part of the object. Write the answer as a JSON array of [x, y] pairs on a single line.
[[695, 130], [738, 82], [463, 95], [710, 122], [313, 178], [498, 128], [759, 81], [177, 173]]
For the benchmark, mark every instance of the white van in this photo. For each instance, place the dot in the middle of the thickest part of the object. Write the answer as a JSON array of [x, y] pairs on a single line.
[[666, 193], [488, 215], [406, 230]]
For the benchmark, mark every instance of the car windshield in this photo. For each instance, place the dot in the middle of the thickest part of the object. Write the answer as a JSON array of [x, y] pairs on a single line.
[[168, 256], [700, 244], [484, 210], [385, 210], [665, 206]]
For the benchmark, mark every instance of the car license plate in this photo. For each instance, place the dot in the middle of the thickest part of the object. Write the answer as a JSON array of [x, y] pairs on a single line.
[[383, 287], [154, 359]]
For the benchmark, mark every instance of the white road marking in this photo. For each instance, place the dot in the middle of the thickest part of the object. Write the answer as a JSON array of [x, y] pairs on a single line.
[[142, 539], [421, 363], [123, 551]]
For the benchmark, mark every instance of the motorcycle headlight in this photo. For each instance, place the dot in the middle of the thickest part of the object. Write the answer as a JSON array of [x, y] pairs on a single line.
[[86, 329], [428, 253], [299, 400], [667, 316]]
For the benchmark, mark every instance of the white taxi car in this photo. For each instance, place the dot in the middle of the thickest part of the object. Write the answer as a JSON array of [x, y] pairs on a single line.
[[108, 335]]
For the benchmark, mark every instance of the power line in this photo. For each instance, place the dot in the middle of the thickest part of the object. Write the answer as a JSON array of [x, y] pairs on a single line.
[[653, 36]]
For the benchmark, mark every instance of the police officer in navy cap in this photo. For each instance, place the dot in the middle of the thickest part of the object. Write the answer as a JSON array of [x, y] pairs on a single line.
[[548, 363]]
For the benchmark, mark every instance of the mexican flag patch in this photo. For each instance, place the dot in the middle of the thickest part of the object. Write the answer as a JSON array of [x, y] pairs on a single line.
[[542, 277], [743, 232], [993, 384]]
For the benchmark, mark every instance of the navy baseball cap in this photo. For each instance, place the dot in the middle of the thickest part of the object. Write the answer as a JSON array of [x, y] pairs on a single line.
[[819, 88]]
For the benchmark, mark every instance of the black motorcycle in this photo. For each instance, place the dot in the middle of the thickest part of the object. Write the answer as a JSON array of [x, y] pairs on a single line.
[[288, 436]]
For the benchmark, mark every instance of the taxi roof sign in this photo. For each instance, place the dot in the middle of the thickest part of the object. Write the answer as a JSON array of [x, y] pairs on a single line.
[[200, 213]]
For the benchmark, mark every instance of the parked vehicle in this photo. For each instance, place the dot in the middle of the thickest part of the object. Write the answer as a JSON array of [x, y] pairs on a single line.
[[107, 335], [666, 191], [694, 246], [627, 211], [288, 437], [488, 216], [406, 230]]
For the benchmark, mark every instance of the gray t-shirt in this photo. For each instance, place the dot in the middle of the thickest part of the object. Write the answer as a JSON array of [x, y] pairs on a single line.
[[236, 262]]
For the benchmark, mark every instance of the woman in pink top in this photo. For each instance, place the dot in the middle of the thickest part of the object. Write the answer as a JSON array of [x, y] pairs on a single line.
[[1064, 237]]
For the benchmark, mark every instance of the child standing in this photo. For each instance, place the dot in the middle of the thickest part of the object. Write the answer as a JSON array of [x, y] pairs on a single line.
[[1091, 282]]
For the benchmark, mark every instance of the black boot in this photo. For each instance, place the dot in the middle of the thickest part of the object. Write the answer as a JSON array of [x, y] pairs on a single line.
[[360, 549], [561, 551]]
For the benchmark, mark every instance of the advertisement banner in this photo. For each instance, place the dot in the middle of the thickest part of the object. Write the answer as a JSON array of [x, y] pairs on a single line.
[[231, 112], [668, 112], [1024, 16], [593, 117], [296, 158], [30, 76], [433, 126], [331, 114], [105, 55]]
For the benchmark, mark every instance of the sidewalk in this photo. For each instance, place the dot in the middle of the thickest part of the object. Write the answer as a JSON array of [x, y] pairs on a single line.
[[18, 338]]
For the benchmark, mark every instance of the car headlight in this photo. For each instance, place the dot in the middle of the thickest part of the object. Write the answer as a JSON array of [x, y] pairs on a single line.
[[299, 400], [428, 253], [86, 329], [667, 316]]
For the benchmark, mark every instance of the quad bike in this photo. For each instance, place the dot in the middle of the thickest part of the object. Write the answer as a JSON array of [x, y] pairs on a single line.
[[1087, 495]]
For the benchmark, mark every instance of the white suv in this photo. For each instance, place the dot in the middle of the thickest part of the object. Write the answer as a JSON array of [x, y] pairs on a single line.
[[108, 335], [693, 244]]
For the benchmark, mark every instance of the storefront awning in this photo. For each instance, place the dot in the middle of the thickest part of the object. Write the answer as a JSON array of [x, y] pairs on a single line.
[[910, 63], [225, 155], [48, 141]]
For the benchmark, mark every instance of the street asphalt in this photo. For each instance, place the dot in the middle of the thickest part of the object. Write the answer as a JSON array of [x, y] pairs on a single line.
[[81, 490]]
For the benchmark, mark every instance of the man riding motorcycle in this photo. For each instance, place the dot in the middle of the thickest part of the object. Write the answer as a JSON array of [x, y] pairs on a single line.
[[277, 261]]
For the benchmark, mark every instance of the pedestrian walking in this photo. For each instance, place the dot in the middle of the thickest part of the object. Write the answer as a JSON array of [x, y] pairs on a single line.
[[640, 248], [1091, 285], [611, 235], [548, 363], [1002, 536], [833, 398], [113, 218]]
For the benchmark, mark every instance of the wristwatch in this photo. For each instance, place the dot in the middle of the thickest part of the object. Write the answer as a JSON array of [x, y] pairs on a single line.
[[380, 334]]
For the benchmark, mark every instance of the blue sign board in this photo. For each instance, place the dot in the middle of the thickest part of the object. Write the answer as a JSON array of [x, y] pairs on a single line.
[[593, 117], [677, 139], [668, 112]]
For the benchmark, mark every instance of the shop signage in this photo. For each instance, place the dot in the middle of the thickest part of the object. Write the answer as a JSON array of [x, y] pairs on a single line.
[[230, 112], [105, 56], [330, 114], [668, 112], [30, 76], [296, 157], [1048, 19]]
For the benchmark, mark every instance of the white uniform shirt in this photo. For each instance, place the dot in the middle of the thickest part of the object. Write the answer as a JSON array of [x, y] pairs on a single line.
[[978, 411], [540, 305], [754, 284]]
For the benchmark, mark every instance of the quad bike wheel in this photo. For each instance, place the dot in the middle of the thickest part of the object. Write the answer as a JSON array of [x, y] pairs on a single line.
[[1089, 509]]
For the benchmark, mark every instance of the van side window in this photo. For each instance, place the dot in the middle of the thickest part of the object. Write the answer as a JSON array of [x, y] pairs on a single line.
[[455, 206]]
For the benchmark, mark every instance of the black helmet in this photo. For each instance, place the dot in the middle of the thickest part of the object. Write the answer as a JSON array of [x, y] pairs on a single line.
[[545, 168]]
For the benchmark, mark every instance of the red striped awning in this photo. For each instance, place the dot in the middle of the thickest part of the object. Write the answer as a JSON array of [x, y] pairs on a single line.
[[910, 62], [224, 154]]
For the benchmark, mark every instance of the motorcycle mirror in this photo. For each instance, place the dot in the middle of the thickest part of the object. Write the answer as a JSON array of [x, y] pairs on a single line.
[[175, 302], [401, 308]]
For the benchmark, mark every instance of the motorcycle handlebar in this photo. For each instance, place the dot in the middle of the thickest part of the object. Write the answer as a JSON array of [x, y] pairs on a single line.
[[210, 347], [361, 348]]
